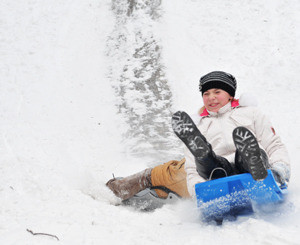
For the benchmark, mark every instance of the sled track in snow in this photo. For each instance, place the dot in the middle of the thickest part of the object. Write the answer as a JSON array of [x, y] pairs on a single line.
[[144, 99]]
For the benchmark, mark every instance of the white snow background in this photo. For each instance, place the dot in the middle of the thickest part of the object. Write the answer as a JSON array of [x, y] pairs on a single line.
[[61, 136]]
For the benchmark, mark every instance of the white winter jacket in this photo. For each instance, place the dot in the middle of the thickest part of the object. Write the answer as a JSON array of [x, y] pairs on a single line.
[[218, 127]]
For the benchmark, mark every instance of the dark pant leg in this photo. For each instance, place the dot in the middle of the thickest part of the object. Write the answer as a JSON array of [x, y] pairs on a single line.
[[213, 166]]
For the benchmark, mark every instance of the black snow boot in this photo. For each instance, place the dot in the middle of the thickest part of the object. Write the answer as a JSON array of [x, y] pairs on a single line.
[[249, 157], [208, 164]]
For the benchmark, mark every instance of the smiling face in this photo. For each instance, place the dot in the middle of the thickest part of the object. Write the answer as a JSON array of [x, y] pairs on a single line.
[[215, 98]]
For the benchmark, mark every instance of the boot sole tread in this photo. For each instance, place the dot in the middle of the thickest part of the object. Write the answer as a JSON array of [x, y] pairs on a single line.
[[188, 132], [247, 145]]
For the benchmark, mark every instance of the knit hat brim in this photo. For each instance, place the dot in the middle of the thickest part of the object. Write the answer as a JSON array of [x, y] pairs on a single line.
[[218, 84]]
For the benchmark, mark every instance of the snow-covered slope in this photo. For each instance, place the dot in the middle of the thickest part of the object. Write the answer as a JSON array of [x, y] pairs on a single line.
[[62, 135]]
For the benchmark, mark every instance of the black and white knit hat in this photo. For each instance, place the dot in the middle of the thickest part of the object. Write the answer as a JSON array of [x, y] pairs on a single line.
[[218, 79]]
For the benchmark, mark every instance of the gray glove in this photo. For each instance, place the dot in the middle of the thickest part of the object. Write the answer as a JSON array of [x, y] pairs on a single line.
[[281, 173]]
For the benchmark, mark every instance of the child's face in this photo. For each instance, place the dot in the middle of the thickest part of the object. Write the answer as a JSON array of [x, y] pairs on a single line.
[[215, 98]]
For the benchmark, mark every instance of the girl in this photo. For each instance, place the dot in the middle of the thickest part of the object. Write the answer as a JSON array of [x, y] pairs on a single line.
[[234, 138]]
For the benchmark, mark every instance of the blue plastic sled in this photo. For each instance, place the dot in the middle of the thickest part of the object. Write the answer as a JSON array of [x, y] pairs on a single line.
[[235, 195]]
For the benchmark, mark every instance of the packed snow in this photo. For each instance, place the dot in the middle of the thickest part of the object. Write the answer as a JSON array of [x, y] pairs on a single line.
[[87, 89]]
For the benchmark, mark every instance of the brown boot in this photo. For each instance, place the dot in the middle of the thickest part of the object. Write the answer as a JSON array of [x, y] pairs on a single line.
[[129, 186]]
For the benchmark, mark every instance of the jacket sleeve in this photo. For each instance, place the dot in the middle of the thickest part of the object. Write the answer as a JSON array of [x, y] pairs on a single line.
[[192, 175], [272, 144]]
